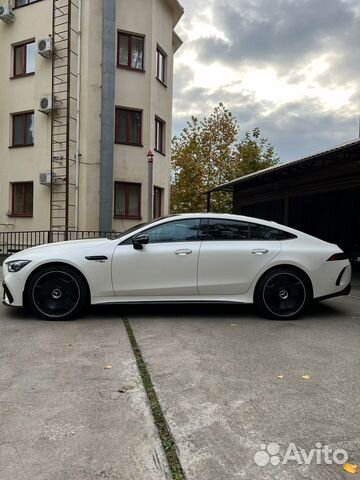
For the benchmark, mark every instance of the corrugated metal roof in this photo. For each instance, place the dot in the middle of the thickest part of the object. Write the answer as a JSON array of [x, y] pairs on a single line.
[[283, 166]]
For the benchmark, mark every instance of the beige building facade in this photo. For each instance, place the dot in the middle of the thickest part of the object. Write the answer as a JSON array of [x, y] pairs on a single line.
[[144, 48]]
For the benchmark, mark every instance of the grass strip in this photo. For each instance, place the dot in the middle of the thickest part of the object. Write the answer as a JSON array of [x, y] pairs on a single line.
[[165, 434]]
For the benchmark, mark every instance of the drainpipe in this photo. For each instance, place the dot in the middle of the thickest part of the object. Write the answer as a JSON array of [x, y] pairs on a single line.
[[78, 91], [150, 157], [107, 115]]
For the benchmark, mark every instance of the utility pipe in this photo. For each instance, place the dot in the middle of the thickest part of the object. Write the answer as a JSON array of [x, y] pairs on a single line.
[[78, 93], [150, 157], [107, 114]]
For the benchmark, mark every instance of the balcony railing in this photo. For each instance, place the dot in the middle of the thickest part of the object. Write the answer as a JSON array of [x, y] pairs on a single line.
[[12, 242]]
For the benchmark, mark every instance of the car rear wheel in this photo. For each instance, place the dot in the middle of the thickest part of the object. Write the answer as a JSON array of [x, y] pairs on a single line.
[[282, 294], [56, 293]]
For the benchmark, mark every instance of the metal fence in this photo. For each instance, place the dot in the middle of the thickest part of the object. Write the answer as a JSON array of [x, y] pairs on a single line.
[[12, 242]]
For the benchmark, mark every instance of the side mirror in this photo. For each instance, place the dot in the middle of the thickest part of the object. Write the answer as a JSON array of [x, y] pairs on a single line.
[[139, 241]]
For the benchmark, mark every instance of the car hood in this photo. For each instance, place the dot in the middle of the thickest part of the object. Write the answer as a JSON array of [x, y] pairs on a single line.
[[51, 247]]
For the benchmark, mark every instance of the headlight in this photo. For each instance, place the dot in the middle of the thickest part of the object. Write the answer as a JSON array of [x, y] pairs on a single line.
[[17, 265]]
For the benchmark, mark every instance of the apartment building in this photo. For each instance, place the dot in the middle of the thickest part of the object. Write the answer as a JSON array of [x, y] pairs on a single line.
[[86, 93]]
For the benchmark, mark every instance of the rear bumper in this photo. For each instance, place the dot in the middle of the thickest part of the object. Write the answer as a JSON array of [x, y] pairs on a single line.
[[345, 291]]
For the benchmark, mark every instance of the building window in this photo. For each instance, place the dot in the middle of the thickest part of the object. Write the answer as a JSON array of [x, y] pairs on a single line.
[[159, 135], [127, 199], [22, 199], [158, 193], [130, 51], [24, 59], [161, 60], [22, 3], [128, 126], [23, 129]]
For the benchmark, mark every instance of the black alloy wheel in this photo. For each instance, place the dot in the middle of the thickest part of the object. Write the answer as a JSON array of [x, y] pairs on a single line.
[[282, 294], [56, 293]]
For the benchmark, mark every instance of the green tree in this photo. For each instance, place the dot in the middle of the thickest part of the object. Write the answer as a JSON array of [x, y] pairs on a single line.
[[208, 153]]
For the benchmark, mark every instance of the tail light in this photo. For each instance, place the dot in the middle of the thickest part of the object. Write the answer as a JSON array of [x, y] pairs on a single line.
[[337, 256]]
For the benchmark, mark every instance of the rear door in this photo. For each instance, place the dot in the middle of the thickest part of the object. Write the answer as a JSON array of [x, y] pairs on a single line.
[[232, 252]]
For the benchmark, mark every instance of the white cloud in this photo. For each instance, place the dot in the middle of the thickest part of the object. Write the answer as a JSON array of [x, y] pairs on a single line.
[[267, 85], [312, 76]]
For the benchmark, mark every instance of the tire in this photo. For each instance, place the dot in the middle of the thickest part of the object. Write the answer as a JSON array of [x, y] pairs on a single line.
[[56, 293], [282, 294]]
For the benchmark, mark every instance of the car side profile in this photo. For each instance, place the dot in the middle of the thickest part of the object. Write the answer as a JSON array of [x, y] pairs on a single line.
[[180, 258]]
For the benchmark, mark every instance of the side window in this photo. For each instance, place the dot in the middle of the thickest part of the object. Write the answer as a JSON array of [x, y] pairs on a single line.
[[130, 51], [127, 200], [218, 229], [22, 199], [176, 231], [159, 135], [128, 126], [21, 3], [262, 232], [24, 59], [23, 129], [161, 60]]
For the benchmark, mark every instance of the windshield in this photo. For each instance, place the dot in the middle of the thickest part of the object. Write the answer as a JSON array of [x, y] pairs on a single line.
[[136, 227]]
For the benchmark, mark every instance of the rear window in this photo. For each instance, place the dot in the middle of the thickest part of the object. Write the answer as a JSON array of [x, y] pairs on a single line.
[[222, 229], [263, 232]]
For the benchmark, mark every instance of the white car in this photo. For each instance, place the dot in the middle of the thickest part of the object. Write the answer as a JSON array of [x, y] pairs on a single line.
[[180, 258]]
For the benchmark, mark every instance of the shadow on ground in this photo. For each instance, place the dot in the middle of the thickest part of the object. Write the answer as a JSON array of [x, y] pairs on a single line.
[[173, 310]]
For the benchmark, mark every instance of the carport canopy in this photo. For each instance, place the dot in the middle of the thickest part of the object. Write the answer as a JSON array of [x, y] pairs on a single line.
[[319, 194]]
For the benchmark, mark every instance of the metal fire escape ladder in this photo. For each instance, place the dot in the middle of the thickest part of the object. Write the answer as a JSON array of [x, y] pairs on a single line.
[[63, 116]]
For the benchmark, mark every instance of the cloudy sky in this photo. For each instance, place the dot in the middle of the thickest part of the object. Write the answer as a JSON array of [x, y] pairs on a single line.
[[291, 67]]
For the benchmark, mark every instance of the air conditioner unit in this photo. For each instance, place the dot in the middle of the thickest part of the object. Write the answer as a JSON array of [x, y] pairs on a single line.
[[45, 178], [44, 47], [48, 104], [6, 14]]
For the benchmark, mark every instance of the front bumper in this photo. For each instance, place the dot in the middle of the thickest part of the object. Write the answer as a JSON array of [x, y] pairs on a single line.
[[14, 283], [8, 299]]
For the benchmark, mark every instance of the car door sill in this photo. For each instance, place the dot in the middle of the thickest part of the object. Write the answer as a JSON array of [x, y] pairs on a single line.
[[162, 302]]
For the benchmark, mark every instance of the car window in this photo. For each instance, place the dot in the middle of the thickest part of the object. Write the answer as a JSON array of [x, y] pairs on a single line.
[[185, 230], [136, 227], [219, 229], [263, 232]]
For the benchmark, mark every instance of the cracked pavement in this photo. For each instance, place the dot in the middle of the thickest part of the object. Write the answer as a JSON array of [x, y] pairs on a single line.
[[64, 416]]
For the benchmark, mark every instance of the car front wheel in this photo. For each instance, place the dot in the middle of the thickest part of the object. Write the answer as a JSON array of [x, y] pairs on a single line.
[[56, 293], [282, 294]]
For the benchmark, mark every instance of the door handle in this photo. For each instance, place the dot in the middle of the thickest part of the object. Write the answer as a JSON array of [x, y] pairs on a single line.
[[259, 251], [183, 252]]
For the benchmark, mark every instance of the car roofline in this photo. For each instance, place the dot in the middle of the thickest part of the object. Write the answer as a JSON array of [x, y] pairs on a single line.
[[245, 218], [230, 216]]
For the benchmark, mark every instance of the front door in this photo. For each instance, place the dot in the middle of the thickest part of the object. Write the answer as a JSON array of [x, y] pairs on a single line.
[[165, 267]]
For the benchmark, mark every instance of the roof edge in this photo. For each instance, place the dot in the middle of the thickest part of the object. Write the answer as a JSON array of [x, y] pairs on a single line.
[[176, 42], [177, 9], [228, 186]]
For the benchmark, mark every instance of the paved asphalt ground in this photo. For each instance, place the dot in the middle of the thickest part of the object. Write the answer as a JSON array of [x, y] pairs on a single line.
[[63, 416]]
